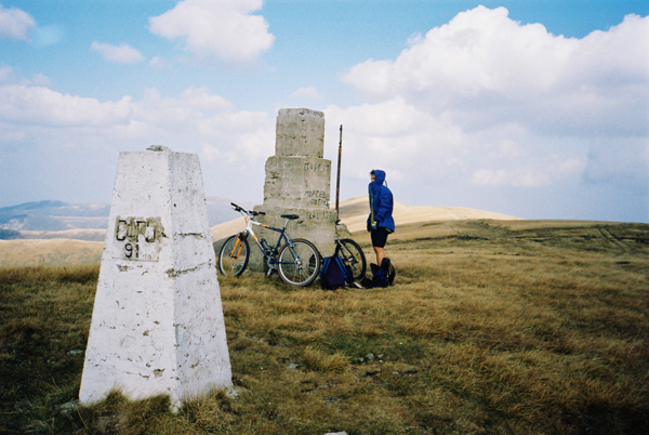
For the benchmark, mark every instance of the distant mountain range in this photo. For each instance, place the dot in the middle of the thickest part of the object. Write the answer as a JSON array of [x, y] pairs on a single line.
[[57, 219]]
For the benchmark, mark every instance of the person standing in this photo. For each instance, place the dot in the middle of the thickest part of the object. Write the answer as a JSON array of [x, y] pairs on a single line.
[[380, 222]]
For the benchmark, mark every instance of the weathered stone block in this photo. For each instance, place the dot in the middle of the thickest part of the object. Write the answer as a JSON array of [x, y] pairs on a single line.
[[157, 323], [317, 226], [299, 133], [297, 182]]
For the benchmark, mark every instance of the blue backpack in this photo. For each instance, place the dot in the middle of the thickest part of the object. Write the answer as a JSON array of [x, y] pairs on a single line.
[[334, 274]]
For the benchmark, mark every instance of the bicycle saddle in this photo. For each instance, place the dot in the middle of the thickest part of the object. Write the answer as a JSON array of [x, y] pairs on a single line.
[[290, 216]]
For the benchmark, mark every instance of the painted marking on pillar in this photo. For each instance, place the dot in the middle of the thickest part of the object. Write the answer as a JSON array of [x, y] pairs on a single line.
[[319, 215], [138, 239], [317, 198], [316, 167], [321, 194]]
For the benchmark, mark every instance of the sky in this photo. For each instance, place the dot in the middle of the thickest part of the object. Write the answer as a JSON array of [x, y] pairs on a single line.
[[535, 109]]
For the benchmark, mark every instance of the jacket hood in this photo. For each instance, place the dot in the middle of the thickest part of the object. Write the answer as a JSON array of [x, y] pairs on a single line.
[[379, 176]]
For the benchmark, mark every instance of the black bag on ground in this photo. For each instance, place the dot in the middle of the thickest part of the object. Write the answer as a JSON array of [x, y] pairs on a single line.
[[334, 274], [382, 276], [391, 273]]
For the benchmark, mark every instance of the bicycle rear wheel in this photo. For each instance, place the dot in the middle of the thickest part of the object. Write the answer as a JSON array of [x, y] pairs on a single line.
[[234, 256], [352, 255], [299, 263]]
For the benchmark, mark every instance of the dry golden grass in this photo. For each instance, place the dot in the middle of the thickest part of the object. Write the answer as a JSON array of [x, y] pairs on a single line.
[[88, 234], [49, 252], [492, 328], [354, 211]]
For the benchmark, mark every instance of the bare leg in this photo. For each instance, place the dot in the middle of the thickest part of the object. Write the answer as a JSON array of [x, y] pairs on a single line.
[[380, 255]]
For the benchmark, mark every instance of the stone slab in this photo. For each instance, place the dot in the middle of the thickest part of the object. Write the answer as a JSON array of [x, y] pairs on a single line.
[[317, 226], [297, 182], [300, 133]]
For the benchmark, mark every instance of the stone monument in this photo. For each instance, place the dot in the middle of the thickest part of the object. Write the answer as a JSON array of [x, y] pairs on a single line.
[[157, 323], [298, 182]]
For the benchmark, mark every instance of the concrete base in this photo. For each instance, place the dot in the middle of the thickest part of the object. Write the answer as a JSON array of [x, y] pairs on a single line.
[[317, 226]]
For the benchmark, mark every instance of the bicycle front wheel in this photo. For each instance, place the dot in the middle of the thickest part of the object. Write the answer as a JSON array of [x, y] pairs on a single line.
[[298, 263], [234, 256], [352, 255]]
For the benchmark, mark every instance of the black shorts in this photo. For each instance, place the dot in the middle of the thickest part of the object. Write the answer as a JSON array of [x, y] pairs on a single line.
[[379, 237]]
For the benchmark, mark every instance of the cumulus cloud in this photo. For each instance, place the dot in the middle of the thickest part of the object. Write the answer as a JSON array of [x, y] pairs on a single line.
[[482, 67], [417, 146], [225, 29], [6, 73], [194, 116], [48, 135], [488, 102], [159, 63], [9, 76], [118, 54], [308, 92], [35, 105], [15, 23]]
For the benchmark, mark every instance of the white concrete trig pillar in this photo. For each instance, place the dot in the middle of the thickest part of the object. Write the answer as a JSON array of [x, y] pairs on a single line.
[[157, 323]]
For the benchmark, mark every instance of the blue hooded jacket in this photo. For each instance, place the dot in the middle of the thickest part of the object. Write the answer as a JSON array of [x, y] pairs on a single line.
[[381, 203]]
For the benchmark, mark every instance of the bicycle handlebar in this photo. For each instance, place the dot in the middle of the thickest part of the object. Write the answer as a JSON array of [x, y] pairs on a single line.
[[248, 212]]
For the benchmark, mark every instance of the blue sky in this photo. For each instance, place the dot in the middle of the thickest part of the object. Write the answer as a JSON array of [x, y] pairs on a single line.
[[538, 109]]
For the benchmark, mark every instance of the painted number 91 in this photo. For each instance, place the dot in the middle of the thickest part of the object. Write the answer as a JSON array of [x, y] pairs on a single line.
[[132, 251]]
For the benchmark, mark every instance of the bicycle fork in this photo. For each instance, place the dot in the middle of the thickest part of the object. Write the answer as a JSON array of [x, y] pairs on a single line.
[[238, 247]]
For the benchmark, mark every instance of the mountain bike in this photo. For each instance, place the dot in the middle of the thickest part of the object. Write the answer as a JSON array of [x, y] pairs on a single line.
[[297, 261], [352, 255]]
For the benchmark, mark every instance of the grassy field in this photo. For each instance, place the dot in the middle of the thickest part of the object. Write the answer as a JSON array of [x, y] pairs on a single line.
[[49, 252], [493, 327]]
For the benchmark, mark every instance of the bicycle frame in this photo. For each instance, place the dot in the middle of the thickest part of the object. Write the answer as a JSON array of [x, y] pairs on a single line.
[[269, 256]]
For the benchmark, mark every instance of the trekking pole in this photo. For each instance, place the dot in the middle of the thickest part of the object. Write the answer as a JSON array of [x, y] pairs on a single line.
[[340, 152]]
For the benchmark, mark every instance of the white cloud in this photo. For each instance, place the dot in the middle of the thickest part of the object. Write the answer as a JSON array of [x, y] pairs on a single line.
[[310, 93], [39, 106], [486, 102], [159, 63], [15, 23], [6, 73], [482, 67], [225, 29], [70, 143], [194, 117], [118, 54], [537, 173], [9, 76], [416, 145]]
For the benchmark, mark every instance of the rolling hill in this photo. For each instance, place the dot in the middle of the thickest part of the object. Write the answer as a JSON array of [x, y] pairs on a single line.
[[84, 245], [354, 211]]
